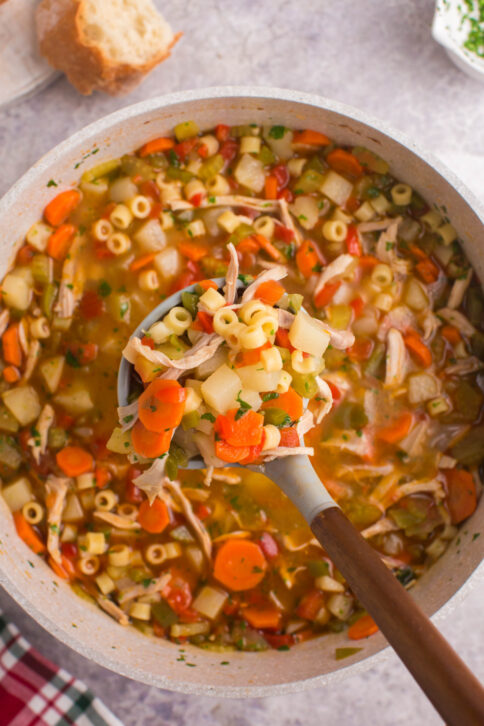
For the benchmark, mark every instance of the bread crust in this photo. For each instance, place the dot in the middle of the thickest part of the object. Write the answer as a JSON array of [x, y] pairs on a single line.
[[61, 42]]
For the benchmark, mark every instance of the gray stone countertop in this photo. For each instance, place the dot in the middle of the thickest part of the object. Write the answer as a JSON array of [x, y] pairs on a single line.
[[377, 55]]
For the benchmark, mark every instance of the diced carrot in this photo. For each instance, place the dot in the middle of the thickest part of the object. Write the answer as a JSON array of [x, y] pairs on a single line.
[[222, 132], [150, 443], [243, 431], [205, 320], [239, 564], [193, 250], [310, 605], [418, 349], [280, 641], [361, 349], [282, 339], [202, 511], [268, 247], [156, 145], [289, 437], [231, 454], [248, 244], [155, 517], [397, 430], [427, 270], [270, 187], [207, 284], [326, 294], [24, 255], [263, 616], [368, 262], [353, 243], [344, 162], [83, 353], [308, 258], [12, 351], [461, 494], [142, 261], [285, 234], [311, 138], [290, 402], [451, 334], [251, 357], [60, 241], [26, 532], [74, 461], [11, 374], [362, 628], [161, 405], [65, 569], [91, 305], [358, 306], [102, 476], [185, 147], [59, 208], [269, 292]]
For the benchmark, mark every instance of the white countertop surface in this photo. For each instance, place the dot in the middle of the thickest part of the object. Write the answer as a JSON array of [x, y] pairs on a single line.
[[377, 55]]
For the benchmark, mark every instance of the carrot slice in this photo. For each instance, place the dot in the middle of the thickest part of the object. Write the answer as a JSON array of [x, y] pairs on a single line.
[[397, 430], [26, 532], [150, 443], [451, 334], [361, 349], [325, 295], [310, 605], [311, 138], [239, 565], [59, 208], [269, 292], [251, 357], [60, 241], [289, 437], [231, 454], [11, 374], [74, 461], [194, 251], [270, 187], [308, 258], [12, 351], [418, 349], [207, 284], [362, 628], [243, 431], [248, 244], [142, 261], [65, 569], [290, 402], [264, 615], [156, 145], [344, 162], [461, 494], [427, 270], [268, 247], [282, 339], [368, 262], [353, 243], [161, 405], [155, 517]]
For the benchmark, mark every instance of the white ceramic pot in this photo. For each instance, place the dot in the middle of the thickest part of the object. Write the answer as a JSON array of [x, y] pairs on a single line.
[[51, 603]]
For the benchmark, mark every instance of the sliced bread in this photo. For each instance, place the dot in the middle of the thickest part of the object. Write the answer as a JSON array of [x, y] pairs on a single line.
[[109, 45]]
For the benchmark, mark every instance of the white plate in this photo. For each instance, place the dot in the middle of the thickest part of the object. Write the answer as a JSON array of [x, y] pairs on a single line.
[[451, 29], [22, 70]]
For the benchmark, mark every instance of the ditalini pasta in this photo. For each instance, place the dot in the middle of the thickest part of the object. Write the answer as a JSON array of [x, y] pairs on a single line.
[[356, 297]]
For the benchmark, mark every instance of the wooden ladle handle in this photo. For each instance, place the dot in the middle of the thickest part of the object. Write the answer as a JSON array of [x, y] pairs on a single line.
[[448, 683]]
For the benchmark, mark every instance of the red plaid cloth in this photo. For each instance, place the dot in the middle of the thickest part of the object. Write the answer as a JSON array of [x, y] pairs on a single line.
[[35, 692]]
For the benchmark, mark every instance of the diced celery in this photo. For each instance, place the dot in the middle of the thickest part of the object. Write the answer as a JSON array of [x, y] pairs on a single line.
[[469, 450], [375, 360], [213, 267], [186, 130], [309, 181], [9, 454], [244, 130], [174, 348], [179, 174], [134, 166], [181, 534], [190, 420], [190, 302], [211, 167], [276, 417], [304, 384], [266, 156], [339, 316], [57, 438], [42, 269], [171, 467], [100, 170], [49, 294], [294, 300], [370, 160], [350, 415], [163, 614]]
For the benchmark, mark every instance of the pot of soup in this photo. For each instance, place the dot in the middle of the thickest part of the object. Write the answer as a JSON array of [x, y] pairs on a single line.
[[212, 583]]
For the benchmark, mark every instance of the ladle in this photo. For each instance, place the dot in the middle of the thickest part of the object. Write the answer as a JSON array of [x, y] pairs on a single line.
[[454, 691]]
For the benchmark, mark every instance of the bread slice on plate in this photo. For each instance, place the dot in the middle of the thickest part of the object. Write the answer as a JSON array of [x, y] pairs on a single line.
[[107, 45]]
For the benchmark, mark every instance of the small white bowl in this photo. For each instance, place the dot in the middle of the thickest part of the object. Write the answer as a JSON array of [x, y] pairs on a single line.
[[451, 31]]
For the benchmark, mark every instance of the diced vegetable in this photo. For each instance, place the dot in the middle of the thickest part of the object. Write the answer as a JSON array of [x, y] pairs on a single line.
[[51, 371], [18, 493], [23, 403], [210, 601]]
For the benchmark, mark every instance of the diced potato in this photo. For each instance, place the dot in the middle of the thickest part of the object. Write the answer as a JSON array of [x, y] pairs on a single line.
[[258, 379], [279, 141], [120, 442], [10, 456], [307, 335], [122, 189], [168, 263], [104, 583], [23, 402], [146, 369], [414, 295], [221, 388], [251, 397], [249, 172], [188, 630], [228, 221], [38, 236], [73, 510], [76, 400], [150, 236], [422, 387], [306, 211], [69, 533], [340, 606], [437, 406], [51, 371], [17, 494], [336, 187], [195, 555], [8, 422], [16, 292], [192, 402], [328, 584], [210, 601]]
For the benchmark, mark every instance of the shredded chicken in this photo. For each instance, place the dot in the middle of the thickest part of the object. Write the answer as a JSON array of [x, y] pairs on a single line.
[[349, 441], [429, 324], [207, 479], [340, 339], [151, 480], [396, 359], [285, 318], [385, 247], [198, 527], [458, 319], [38, 442], [288, 221], [365, 227], [459, 290], [72, 282], [22, 336], [4, 320], [226, 476], [306, 423], [33, 354], [433, 486], [116, 521], [113, 610], [363, 471], [325, 399], [236, 534], [206, 448], [230, 200], [281, 451], [131, 593], [464, 367], [193, 357], [336, 268], [400, 318], [128, 415], [56, 489], [231, 276], [383, 526], [275, 273]]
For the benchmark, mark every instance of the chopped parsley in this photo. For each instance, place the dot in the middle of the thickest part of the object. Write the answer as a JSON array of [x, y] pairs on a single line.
[[270, 396], [71, 360], [243, 407], [52, 183], [123, 309], [208, 417], [277, 132], [104, 288]]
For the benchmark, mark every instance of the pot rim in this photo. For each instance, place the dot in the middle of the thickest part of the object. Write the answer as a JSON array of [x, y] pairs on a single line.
[[104, 125]]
